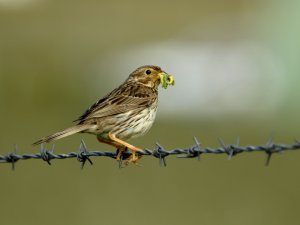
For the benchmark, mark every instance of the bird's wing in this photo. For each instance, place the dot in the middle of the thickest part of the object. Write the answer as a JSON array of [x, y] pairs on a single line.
[[119, 101]]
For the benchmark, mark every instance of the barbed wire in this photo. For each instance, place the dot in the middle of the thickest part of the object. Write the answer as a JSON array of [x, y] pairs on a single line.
[[195, 151]]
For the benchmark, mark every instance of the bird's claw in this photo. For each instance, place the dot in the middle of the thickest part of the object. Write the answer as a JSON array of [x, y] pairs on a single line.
[[133, 158]]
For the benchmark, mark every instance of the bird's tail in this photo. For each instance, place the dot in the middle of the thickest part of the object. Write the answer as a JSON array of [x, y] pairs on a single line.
[[61, 134]]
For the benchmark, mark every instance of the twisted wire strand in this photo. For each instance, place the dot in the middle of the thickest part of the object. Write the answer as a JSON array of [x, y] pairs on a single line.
[[83, 155]]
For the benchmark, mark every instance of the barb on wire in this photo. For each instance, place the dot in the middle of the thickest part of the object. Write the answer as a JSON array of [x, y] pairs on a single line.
[[159, 152]]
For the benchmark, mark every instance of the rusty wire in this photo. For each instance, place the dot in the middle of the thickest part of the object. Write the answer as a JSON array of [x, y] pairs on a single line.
[[195, 151]]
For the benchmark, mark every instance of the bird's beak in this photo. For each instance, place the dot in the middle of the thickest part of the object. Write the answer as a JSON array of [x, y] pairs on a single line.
[[166, 79]]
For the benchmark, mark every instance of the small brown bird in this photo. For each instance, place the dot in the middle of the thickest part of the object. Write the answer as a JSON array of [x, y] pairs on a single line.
[[127, 112]]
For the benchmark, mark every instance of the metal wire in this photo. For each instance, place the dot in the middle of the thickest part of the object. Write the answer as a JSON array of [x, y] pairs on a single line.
[[83, 155]]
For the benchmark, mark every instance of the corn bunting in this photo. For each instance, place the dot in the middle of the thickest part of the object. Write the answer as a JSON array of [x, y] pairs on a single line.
[[126, 112]]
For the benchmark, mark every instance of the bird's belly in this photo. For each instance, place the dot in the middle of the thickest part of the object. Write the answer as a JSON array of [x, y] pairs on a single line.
[[137, 125], [126, 125]]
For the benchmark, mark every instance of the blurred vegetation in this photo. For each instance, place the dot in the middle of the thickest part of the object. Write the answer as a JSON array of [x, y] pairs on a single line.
[[47, 79]]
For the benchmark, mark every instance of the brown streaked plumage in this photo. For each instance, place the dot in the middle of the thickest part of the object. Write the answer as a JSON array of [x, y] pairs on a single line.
[[127, 112]]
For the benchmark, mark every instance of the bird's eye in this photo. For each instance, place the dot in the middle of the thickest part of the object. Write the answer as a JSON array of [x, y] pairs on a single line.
[[148, 72]]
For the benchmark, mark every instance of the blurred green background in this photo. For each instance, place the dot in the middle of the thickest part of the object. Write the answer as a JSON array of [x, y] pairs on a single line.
[[236, 65]]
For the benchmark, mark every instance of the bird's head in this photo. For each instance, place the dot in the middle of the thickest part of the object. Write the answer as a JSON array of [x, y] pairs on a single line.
[[151, 76]]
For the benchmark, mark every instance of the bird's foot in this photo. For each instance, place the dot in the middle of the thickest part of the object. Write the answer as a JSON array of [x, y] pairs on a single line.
[[120, 152], [126, 159], [133, 158]]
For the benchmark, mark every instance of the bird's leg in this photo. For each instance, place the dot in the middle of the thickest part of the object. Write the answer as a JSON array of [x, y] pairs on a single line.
[[120, 152], [120, 148], [133, 158]]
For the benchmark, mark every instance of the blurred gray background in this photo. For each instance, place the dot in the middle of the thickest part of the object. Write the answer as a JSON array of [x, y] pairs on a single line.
[[236, 65]]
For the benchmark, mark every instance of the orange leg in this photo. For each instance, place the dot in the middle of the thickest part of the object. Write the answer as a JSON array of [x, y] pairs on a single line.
[[134, 158], [121, 148]]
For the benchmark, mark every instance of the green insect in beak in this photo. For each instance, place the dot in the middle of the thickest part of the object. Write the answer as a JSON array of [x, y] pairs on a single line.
[[166, 79]]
